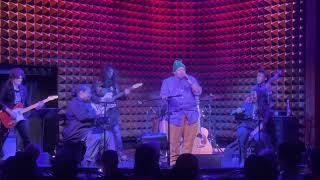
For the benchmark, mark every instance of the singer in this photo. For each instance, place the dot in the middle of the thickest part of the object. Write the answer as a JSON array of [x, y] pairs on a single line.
[[181, 91]]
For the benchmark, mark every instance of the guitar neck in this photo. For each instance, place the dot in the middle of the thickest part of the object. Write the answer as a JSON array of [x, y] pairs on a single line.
[[273, 78], [137, 85], [118, 96], [29, 108]]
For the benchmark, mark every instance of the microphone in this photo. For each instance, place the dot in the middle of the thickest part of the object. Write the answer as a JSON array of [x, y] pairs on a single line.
[[186, 77]]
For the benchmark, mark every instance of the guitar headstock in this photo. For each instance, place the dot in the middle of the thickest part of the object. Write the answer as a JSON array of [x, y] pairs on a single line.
[[137, 85], [50, 98], [278, 74], [215, 96]]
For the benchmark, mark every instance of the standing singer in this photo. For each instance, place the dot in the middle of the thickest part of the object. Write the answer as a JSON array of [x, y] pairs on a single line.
[[183, 110]]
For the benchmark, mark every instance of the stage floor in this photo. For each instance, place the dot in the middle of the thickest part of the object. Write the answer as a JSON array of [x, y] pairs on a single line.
[[214, 161]]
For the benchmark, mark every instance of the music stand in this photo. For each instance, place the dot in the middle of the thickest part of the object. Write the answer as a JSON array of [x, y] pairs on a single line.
[[168, 123], [168, 115], [105, 105]]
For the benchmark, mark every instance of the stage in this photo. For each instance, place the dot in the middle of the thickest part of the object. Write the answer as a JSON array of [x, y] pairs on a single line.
[[220, 79], [218, 167]]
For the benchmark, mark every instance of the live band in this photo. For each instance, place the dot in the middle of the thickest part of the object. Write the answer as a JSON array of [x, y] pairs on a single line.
[[93, 117]]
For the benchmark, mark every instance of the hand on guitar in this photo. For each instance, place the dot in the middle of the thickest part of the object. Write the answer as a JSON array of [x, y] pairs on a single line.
[[107, 97], [127, 91], [251, 136]]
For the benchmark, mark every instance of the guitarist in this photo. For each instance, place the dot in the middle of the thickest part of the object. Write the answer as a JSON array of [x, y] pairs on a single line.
[[13, 93], [105, 93], [262, 94]]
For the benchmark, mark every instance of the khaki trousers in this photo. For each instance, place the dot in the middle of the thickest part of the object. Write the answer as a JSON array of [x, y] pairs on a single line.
[[187, 132]]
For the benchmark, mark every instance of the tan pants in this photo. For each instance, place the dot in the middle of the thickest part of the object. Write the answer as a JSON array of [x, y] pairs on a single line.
[[187, 132]]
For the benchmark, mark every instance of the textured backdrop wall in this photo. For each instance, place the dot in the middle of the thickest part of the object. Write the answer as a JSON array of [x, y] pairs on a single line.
[[223, 43]]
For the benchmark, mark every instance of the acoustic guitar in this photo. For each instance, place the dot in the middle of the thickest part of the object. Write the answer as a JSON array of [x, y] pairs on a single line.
[[201, 143]]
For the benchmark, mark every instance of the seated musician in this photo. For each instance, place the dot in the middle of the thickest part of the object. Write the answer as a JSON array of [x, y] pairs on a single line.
[[79, 126], [246, 123]]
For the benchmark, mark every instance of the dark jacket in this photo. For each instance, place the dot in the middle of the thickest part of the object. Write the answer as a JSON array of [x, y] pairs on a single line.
[[80, 119], [7, 96]]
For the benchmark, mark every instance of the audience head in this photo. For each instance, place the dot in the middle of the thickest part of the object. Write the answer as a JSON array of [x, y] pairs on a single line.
[[109, 160], [315, 162], [186, 167], [33, 151], [258, 167], [289, 155], [147, 159], [23, 165], [64, 165]]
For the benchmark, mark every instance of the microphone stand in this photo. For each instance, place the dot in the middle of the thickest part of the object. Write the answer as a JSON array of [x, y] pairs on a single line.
[[105, 104], [168, 123], [168, 142], [168, 115]]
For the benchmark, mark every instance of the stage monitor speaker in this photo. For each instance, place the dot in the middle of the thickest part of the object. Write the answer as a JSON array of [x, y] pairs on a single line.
[[209, 161], [44, 128], [286, 129], [154, 137]]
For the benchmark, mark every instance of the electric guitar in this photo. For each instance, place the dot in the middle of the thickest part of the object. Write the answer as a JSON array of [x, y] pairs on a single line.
[[100, 108], [6, 116]]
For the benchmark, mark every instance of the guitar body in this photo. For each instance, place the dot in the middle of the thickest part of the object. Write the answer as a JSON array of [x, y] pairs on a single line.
[[102, 109], [110, 98], [201, 143], [7, 120], [6, 116]]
